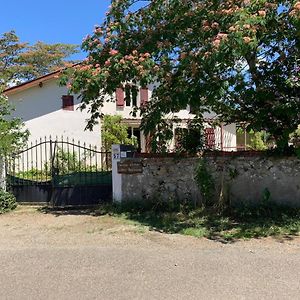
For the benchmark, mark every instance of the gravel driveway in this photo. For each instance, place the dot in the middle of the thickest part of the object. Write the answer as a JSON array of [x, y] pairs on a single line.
[[81, 256]]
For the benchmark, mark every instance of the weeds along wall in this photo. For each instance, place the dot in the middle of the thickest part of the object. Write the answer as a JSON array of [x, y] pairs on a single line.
[[232, 180]]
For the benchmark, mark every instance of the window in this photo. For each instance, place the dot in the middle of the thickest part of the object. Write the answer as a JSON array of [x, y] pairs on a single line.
[[68, 102], [144, 96], [210, 138], [120, 97], [131, 93], [135, 134], [127, 96]]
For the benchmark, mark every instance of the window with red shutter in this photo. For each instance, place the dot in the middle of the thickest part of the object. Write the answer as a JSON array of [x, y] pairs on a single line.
[[210, 138], [144, 96], [120, 97], [68, 102]]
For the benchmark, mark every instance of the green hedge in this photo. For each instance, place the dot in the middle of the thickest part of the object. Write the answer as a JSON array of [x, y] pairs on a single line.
[[7, 201]]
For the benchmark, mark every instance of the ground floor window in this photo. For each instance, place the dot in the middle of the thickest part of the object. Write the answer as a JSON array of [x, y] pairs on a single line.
[[135, 134]]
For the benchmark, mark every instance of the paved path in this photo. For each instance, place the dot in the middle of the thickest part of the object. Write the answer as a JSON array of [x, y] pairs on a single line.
[[86, 257]]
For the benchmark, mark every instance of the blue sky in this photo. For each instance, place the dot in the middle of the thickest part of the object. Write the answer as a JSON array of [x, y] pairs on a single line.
[[54, 21]]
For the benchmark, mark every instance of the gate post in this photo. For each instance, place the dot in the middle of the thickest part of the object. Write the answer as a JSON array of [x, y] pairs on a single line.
[[118, 153], [116, 177]]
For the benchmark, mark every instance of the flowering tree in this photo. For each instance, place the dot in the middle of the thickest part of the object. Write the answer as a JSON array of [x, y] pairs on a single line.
[[237, 58]]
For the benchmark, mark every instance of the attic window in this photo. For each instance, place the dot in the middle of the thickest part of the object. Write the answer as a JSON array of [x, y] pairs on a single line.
[[68, 102]]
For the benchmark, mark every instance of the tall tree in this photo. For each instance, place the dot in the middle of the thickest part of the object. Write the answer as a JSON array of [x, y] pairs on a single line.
[[12, 132], [20, 61], [237, 58]]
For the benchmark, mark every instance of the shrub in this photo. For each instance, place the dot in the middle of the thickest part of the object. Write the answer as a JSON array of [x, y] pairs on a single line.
[[7, 201]]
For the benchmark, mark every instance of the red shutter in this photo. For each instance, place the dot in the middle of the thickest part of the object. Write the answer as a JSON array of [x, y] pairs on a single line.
[[120, 97], [68, 102], [144, 96], [210, 138]]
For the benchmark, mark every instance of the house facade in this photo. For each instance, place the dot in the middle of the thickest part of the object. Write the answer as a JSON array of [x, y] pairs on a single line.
[[48, 110]]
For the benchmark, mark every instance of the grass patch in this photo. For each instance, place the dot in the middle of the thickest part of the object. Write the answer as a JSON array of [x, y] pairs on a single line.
[[230, 225]]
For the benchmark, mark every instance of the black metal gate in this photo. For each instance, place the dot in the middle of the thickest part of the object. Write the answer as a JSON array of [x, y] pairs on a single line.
[[60, 173]]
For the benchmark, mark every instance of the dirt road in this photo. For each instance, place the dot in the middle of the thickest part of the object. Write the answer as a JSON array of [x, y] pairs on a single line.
[[81, 256]]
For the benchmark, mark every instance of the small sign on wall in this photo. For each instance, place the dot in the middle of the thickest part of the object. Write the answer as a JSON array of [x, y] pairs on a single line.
[[115, 154], [130, 167]]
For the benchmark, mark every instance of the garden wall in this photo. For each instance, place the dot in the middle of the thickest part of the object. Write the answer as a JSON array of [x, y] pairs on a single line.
[[238, 179]]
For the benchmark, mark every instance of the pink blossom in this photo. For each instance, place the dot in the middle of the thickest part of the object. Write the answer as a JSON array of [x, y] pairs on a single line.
[[156, 68], [113, 52], [98, 30], [222, 36], [262, 13], [247, 39], [215, 25], [297, 5], [129, 57], [216, 43]]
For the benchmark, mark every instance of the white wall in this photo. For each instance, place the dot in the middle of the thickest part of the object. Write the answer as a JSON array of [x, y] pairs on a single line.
[[41, 110]]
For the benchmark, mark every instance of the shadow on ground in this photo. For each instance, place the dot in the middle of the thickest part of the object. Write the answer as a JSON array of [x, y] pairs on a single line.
[[229, 226], [71, 211]]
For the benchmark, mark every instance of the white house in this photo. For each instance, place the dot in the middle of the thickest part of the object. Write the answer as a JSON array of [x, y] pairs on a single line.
[[47, 109]]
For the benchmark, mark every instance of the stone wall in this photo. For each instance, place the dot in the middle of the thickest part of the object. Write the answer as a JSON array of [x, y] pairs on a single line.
[[238, 179]]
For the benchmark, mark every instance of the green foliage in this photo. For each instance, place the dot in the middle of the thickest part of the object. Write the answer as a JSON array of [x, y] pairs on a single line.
[[21, 61], [257, 142], [12, 133], [239, 59], [35, 174], [233, 173], [297, 152], [266, 197], [295, 137], [7, 201], [190, 139], [205, 182], [115, 132], [65, 162]]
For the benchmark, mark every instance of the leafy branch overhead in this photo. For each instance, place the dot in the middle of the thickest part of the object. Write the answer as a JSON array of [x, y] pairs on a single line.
[[239, 59]]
